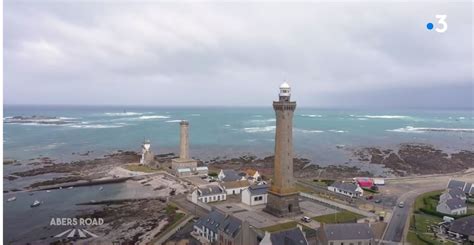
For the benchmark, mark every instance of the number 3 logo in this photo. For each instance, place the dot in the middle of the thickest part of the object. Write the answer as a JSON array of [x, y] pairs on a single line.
[[442, 21]]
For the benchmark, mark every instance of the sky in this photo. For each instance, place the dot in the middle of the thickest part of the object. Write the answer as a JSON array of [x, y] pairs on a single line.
[[343, 54]]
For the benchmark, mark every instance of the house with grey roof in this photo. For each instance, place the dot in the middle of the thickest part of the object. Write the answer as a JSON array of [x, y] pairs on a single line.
[[347, 189], [466, 187], [293, 236], [207, 226], [220, 228], [227, 175], [463, 228], [454, 206], [453, 193], [208, 193], [345, 234], [255, 195]]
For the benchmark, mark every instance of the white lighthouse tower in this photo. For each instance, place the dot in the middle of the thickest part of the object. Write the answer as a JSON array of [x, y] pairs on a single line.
[[147, 155]]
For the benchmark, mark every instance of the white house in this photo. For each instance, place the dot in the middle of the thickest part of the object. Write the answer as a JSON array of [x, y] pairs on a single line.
[[347, 188], [454, 206], [208, 193], [235, 187], [255, 195]]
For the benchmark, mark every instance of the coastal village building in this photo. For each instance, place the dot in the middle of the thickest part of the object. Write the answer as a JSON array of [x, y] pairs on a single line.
[[184, 161], [202, 171], [253, 175], [224, 229], [463, 228], [453, 200], [235, 187], [283, 197], [208, 193], [346, 188], [466, 187], [454, 206], [255, 195], [206, 227], [293, 236], [346, 234], [184, 172], [451, 194], [148, 158], [227, 175]]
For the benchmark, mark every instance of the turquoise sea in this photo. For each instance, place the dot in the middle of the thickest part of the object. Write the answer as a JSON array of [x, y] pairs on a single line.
[[214, 131], [222, 131], [325, 136]]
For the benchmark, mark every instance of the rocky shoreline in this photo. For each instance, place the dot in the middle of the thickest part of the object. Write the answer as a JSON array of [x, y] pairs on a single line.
[[417, 159], [408, 159]]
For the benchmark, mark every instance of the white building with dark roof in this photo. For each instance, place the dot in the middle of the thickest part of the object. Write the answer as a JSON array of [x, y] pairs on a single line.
[[345, 234], [454, 206], [207, 226], [451, 194], [208, 193], [347, 189], [255, 195]]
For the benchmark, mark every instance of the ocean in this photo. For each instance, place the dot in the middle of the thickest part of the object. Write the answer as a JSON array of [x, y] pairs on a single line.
[[223, 131], [319, 135]]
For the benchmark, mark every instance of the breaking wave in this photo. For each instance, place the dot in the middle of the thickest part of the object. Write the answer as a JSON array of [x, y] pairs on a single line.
[[116, 114], [307, 130], [173, 121], [311, 115], [337, 131], [384, 117], [153, 117], [410, 129], [259, 129]]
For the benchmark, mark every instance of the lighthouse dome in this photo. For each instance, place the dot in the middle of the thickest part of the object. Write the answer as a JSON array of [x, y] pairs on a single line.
[[284, 85]]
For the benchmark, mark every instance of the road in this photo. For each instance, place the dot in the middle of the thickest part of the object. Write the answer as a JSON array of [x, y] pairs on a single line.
[[398, 227]]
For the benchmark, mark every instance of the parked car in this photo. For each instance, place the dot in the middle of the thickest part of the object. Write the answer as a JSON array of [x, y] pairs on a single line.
[[306, 219], [401, 205], [369, 198], [378, 201]]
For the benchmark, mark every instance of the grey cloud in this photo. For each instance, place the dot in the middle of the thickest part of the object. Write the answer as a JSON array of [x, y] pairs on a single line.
[[234, 53]]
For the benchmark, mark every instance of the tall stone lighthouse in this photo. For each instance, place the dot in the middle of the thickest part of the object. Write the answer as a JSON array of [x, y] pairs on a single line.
[[283, 196], [183, 161]]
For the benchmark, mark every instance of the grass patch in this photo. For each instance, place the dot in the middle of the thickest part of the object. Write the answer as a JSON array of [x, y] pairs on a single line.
[[323, 182], [140, 168], [280, 227], [302, 188], [420, 232], [341, 217]]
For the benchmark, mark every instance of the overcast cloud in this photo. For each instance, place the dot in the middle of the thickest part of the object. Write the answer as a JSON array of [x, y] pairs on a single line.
[[237, 54]]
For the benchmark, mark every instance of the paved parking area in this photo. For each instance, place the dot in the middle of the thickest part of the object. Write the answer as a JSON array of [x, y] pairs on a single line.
[[312, 209], [196, 180]]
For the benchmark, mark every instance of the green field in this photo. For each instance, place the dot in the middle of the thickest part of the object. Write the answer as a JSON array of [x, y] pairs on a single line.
[[140, 168], [279, 227], [341, 217]]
